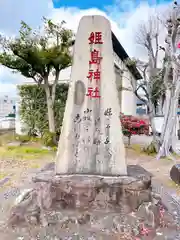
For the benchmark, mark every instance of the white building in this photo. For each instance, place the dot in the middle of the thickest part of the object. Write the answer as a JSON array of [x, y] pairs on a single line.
[[7, 106], [126, 76]]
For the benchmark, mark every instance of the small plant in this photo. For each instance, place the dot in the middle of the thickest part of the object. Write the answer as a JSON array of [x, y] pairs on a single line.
[[49, 139], [150, 149]]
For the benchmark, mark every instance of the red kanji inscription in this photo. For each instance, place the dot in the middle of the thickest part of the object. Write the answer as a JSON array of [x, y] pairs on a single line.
[[94, 75], [96, 93], [97, 75], [90, 75], [93, 93], [95, 57], [95, 38], [90, 92]]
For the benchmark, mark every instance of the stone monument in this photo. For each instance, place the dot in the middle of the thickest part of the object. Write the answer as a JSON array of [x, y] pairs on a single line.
[[92, 193], [91, 140]]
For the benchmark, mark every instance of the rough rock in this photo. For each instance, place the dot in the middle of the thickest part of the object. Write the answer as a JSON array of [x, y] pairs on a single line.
[[92, 206], [175, 173], [123, 194]]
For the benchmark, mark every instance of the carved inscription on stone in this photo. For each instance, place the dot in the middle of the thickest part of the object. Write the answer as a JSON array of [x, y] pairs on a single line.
[[91, 137], [77, 122], [107, 114], [97, 133], [87, 122]]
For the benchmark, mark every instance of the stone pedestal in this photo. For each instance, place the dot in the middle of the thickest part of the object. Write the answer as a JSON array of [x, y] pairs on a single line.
[[124, 194], [84, 205]]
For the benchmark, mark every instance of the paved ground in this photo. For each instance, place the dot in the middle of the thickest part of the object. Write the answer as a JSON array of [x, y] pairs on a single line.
[[142, 140], [145, 140]]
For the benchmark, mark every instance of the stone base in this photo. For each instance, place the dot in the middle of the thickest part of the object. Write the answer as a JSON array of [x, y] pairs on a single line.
[[81, 192], [85, 197], [124, 193]]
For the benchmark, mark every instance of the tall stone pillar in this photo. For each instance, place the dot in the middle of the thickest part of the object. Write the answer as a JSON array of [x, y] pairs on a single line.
[[91, 140]]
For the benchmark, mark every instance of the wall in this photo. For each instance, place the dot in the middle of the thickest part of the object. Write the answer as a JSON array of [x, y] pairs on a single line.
[[7, 123], [6, 105], [128, 98], [19, 125], [118, 83]]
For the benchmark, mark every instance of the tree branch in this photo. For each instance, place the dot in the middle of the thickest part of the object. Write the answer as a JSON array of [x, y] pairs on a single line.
[[42, 73], [157, 50]]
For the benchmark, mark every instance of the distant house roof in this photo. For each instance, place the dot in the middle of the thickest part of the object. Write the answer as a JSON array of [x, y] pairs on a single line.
[[119, 50]]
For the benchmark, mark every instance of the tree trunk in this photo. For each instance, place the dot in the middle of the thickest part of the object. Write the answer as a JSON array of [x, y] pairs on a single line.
[[129, 140], [161, 105], [151, 119], [170, 121], [50, 107], [168, 103]]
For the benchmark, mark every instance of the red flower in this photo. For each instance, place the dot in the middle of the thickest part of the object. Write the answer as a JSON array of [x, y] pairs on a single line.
[[133, 132], [134, 125]]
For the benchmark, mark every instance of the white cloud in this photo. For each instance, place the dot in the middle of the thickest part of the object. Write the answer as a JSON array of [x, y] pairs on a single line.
[[9, 81], [8, 89], [125, 32]]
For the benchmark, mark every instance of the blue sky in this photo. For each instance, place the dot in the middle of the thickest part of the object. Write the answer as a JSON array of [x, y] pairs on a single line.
[[102, 4], [124, 15], [83, 4]]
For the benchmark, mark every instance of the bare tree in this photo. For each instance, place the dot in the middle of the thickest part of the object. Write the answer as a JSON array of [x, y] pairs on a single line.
[[171, 80], [161, 85], [151, 84]]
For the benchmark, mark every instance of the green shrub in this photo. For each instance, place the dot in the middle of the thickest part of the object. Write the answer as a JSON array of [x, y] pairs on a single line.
[[49, 139], [33, 108]]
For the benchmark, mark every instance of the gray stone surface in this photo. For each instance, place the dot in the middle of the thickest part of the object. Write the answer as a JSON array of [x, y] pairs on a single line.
[[101, 222], [91, 140]]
